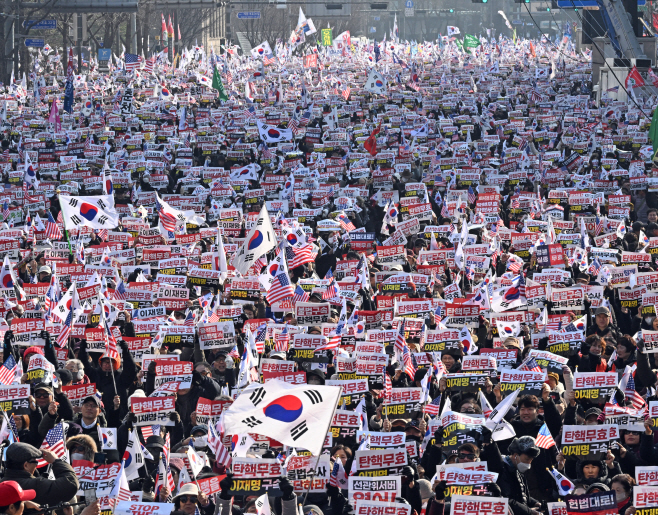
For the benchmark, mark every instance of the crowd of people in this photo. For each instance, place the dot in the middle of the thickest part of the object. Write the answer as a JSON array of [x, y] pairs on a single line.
[[454, 239]]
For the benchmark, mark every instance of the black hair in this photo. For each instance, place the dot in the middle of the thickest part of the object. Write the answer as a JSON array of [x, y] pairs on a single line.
[[16, 505]]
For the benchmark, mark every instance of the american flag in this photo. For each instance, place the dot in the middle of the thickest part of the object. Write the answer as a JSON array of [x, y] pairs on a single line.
[[409, 367], [189, 319], [132, 62], [150, 431], [54, 442], [345, 222], [111, 350], [102, 234], [53, 231], [595, 267], [248, 112], [5, 211], [530, 365], [334, 339], [544, 438], [400, 341], [636, 399], [216, 446], [267, 60], [346, 93], [168, 221], [598, 228], [301, 256], [331, 291], [300, 295], [388, 386], [282, 340], [63, 338], [148, 66], [293, 125], [261, 332], [280, 289], [306, 117], [433, 407], [471, 195], [120, 291], [8, 370]]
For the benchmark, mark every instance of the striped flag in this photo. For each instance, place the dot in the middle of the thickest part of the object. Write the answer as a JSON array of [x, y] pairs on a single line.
[[282, 340], [409, 367], [167, 220], [132, 62], [388, 386], [300, 295], [53, 231], [400, 340], [281, 289], [8, 370], [150, 431], [63, 338], [54, 442], [530, 365], [433, 407], [544, 438], [631, 395]]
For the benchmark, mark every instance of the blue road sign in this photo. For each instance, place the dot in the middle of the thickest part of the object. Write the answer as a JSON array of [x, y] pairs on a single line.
[[40, 25], [104, 54], [38, 43], [249, 15]]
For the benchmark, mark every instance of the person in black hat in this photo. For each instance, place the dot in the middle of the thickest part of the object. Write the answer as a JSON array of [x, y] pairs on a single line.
[[22, 461], [315, 376]]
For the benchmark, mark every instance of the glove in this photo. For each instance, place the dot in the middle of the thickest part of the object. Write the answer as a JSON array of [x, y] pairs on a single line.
[[332, 490], [226, 484], [494, 490], [438, 436], [148, 484], [9, 337], [287, 489], [196, 378], [174, 417], [439, 490], [130, 418], [124, 346], [46, 336]]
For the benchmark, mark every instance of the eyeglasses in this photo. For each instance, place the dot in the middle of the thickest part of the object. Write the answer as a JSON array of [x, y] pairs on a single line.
[[466, 455], [42, 395], [188, 498]]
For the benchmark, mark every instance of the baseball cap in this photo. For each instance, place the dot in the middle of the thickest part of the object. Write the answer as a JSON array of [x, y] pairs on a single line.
[[11, 492], [602, 310], [45, 270]]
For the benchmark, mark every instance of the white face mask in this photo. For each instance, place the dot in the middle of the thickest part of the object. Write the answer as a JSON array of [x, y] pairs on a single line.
[[200, 442], [648, 320], [523, 467], [77, 456], [621, 496]]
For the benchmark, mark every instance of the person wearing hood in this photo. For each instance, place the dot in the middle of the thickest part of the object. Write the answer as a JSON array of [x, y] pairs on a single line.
[[597, 471], [81, 447], [528, 422]]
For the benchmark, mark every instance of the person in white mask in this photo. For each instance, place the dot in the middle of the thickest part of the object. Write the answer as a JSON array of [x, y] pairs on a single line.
[[511, 473], [81, 447]]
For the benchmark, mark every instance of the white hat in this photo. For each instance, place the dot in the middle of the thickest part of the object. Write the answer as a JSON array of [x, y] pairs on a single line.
[[188, 489]]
